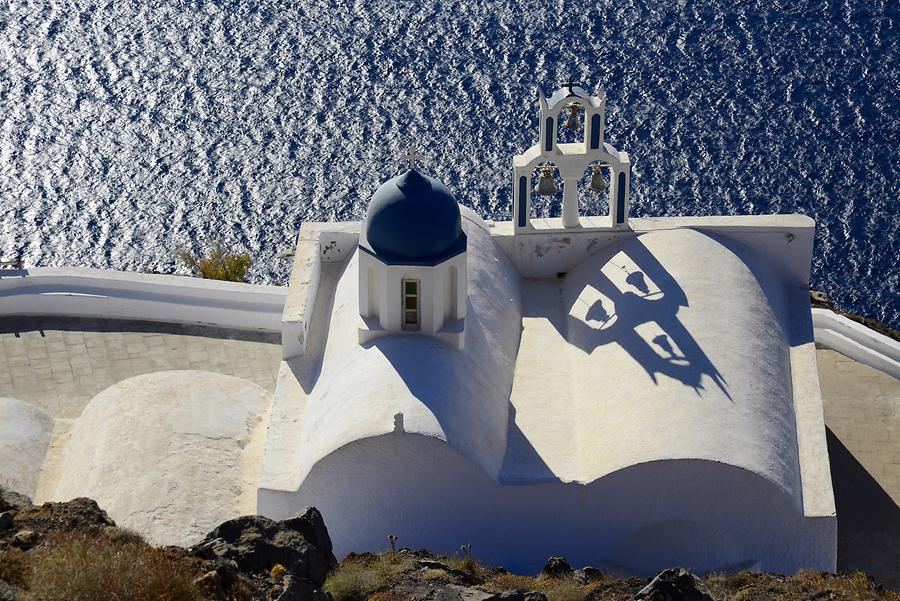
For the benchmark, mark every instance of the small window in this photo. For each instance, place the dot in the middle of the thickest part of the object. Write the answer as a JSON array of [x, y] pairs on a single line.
[[410, 304]]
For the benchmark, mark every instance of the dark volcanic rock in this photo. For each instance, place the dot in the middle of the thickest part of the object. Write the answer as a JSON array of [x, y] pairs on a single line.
[[77, 514], [300, 543], [298, 589], [675, 584], [13, 500], [8, 592], [463, 577], [557, 567], [6, 520], [311, 525], [453, 592], [25, 539], [219, 580], [517, 596], [586, 575]]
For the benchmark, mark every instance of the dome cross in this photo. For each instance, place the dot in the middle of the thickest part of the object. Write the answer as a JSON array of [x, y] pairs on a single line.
[[412, 158]]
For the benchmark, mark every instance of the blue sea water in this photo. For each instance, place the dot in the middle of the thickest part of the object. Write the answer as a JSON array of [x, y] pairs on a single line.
[[129, 130]]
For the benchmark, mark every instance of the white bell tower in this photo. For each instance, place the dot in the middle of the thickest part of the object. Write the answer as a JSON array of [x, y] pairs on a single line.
[[571, 161]]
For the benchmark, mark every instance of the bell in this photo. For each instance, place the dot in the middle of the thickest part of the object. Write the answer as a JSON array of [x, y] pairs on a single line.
[[546, 185], [598, 184], [573, 122]]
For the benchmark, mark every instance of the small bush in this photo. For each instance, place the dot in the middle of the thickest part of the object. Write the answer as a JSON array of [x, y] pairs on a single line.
[[556, 589], [13, 567], [122, 535], [511, 582], [856, 585], [468, 565], [84, 568], [218, 264], [435, 575], [277, 573], [564, 589], [359, 577]]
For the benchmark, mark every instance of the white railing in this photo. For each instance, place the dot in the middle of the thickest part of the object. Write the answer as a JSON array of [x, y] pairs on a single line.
[[100, 293], [84, 292], [857, 341]]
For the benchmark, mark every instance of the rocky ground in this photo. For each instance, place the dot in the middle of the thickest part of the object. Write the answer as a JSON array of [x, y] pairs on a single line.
[[73, 551]]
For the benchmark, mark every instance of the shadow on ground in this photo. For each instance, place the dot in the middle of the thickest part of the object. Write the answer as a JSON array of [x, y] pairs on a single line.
[[868, 519]]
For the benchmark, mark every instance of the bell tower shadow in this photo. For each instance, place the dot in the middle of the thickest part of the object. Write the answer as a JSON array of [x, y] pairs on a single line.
[[674, 352]]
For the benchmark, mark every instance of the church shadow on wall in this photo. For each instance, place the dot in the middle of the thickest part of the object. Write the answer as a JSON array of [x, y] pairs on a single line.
[[651, 296]]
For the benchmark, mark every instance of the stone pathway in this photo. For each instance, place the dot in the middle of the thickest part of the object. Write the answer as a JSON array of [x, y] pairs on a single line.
[[862, 409], [862, 415], [59, 364]]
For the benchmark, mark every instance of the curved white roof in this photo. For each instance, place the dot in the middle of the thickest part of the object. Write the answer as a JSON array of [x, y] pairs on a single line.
[[670, 345], [675, 348], [457, 395], [168, 454], [25, 434]]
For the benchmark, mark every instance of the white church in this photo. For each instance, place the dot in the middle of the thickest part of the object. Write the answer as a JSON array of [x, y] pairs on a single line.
[[629, 393], [637, 393]]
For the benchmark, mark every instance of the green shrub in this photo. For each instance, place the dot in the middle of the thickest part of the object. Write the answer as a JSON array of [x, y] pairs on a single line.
[[359, 577], [218, 264], [84, 568]]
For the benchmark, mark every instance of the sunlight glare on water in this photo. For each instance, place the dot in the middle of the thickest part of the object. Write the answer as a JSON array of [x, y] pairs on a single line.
[[131, 129]]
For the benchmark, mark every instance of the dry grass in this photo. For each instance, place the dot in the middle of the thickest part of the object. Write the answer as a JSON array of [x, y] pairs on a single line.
[[751, 586], [853, 586], [13, 566], [85, 568], [386, 596], [468, 565], [123, 535], [219, 264], [359, 577], [556, 589], [277, 573], [435, 575]]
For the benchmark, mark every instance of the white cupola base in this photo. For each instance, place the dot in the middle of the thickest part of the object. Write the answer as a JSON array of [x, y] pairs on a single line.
[[412, 299], [412, 262]]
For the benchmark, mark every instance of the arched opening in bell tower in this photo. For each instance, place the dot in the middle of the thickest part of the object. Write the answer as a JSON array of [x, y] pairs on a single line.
[[545, 189], [571, 128]]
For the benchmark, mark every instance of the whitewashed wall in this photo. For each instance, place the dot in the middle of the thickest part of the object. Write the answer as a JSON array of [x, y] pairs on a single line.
[[162, 455], [406, 436], [703, 515], [25, 434], [84, 292], [857, 341]]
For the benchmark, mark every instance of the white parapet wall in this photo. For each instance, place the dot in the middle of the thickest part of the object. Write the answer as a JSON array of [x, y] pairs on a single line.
[[317, 243], [856, 341], [549, 250], [100, 293]]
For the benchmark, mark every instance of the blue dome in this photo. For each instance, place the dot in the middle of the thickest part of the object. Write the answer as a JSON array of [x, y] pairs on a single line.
[[413, 218]]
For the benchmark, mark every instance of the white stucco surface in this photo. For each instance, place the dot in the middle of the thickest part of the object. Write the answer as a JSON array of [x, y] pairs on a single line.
[[857, 341], [418, 383], [107, 294], [168, 454], [25, 434], [656, 363], [707, 516], [644, 398]]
